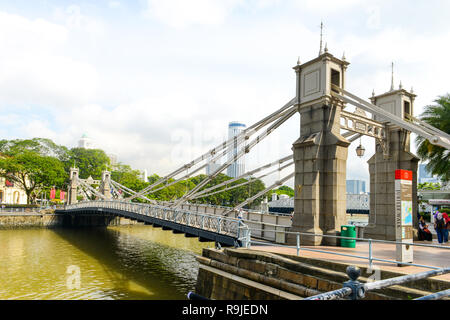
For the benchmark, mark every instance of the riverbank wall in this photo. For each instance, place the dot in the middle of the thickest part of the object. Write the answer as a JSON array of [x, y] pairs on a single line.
[[244, 274], [52, 220]]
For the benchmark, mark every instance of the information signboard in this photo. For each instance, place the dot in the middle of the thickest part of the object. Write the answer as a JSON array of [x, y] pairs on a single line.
[[403, 215]]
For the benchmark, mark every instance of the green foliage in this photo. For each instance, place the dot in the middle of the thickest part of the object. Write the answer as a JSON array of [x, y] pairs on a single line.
[[438, 116], [91, 162], [170, 192], [32, 172], [128, 177], [429, 186], [36, 165], [282, 190], [44, 147]]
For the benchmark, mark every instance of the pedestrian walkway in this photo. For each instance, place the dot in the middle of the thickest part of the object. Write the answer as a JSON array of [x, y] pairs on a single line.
[[436, 257]]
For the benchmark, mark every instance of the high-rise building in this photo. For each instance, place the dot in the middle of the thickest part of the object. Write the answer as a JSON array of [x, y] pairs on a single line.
[[237, 168], [112, 160], [356, 186], [85, 142], [144, 175], [212, 167], [425, 175]]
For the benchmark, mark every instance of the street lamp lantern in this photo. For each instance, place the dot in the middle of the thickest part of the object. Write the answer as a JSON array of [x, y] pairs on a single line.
[[360, 150]]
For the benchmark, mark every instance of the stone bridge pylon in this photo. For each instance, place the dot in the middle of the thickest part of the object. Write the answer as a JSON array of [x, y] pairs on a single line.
[[326, 130], [320, 154], [84, 187]]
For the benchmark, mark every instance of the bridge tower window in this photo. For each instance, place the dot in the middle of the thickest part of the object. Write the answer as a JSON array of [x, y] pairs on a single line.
[[406, 109], [335, 79]]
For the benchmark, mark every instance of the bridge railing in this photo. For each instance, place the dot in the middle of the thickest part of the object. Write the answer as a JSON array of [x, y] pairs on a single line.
[[218, 224], [370, 256], [354, 290]]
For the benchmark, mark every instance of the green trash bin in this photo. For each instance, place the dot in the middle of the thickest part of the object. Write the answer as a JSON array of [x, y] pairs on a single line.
[[348, 231]]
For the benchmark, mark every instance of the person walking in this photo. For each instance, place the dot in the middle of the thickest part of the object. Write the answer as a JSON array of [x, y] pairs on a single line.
[[446, 227], [439, 226]]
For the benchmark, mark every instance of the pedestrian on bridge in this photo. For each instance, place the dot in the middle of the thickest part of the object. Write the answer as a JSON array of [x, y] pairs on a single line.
[[439, 226], [447, 226]]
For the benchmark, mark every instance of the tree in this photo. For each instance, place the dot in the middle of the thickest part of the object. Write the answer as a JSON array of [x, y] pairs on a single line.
[[437, 115], [429, 186], [42, 146], [32, 172], [91, 162], [282, 190], [129, 178]]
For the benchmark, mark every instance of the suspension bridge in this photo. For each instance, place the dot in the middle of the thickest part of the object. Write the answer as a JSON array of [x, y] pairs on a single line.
[[331, 118]]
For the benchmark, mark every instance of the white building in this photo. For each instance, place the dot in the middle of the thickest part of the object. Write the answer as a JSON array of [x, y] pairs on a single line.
[[144, 175], [11, 194], [237, 168], [85, 142]]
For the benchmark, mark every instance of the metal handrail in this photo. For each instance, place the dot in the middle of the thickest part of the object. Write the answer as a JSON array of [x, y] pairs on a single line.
[[221, 225], [342, 237], [357, 290], [436, 296], [370, 253]]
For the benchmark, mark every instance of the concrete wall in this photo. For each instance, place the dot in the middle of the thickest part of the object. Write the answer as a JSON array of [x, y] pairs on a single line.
[[18, 221], [243, 274]]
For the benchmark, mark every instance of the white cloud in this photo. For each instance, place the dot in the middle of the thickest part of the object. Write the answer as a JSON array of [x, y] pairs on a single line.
[[34, 69], [114, 4], [157, 96], [180, 13], [326, 6]]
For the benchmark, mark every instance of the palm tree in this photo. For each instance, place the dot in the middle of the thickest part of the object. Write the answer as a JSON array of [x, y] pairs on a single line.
[[437, 115]]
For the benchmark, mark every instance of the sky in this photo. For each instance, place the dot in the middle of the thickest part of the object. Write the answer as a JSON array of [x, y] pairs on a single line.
[[157, 82]]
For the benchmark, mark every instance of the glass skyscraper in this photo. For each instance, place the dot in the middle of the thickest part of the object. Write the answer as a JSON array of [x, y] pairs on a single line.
[[237, 168], [356, 186]]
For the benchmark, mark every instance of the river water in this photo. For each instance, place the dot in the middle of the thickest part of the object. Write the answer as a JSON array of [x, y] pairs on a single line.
[[128, 262]]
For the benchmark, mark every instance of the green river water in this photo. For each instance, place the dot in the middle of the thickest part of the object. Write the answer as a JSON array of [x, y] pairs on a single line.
[[135, 262]]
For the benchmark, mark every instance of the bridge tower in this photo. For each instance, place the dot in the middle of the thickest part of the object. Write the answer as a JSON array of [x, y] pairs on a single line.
[[73, 185], [320, 154], [382, 168], [105, 188]]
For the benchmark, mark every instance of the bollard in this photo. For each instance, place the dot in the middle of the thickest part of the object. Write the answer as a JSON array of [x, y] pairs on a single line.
[[358, 290], [298, 244]]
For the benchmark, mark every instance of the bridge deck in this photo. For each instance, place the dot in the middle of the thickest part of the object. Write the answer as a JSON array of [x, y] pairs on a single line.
[[226, 231]]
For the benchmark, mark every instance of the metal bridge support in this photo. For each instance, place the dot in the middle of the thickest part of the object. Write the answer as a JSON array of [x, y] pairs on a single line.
[[73, 186], [320, 154], [105, 188]]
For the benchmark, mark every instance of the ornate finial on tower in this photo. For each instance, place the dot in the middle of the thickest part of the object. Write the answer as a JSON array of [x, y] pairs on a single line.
[[298, 61], [326, 47], [373, 92], [343, 56], [321, 28], [392, 76], [412, 91], [400, 85]]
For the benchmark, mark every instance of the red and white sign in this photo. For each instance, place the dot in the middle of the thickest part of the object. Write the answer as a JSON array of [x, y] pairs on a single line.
[[403, 174], [52, 193], [61, 195], [404, 214]]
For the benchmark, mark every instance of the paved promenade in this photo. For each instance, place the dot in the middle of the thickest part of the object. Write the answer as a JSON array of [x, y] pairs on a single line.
[[437, 257]]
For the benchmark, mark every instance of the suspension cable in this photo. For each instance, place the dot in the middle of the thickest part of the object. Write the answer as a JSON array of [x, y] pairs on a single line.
[[245, 134], [254, 142]]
